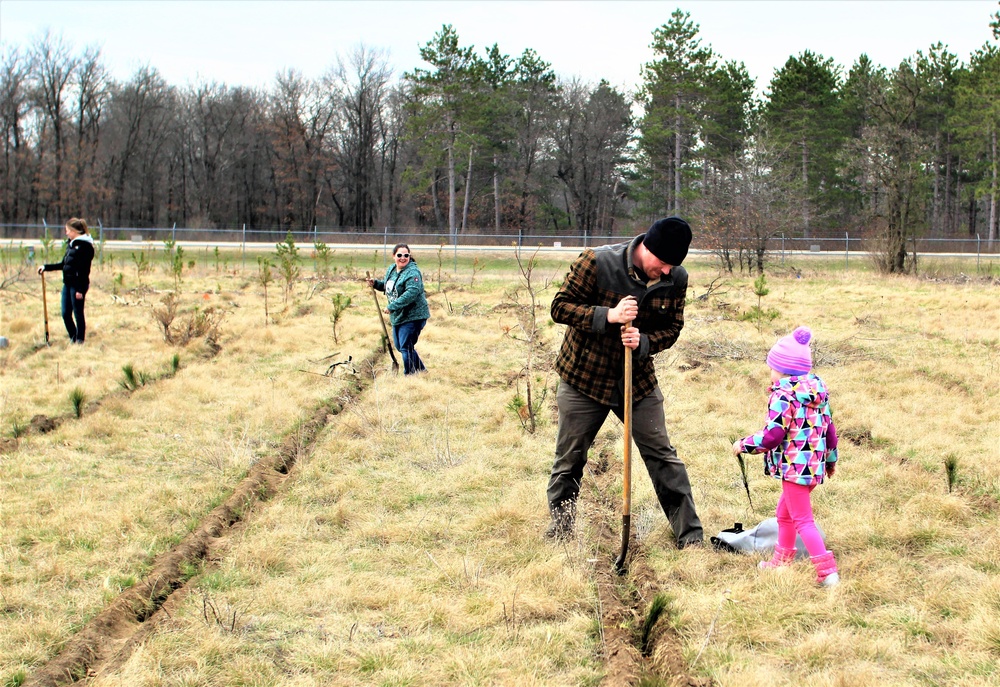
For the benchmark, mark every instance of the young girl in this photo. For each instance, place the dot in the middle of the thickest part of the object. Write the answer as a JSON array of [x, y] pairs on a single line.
[[800, 446]]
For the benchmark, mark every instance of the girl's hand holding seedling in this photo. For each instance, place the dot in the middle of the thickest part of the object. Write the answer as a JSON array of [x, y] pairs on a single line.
[[737, 448]]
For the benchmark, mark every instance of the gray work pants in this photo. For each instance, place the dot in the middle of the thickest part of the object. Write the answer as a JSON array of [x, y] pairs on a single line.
[[581, 417]]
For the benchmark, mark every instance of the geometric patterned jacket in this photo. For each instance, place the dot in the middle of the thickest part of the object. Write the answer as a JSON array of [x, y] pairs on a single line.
[[799, 438]]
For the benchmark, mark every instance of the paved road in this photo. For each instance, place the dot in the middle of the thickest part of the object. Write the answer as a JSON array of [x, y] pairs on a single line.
[[554, 247]]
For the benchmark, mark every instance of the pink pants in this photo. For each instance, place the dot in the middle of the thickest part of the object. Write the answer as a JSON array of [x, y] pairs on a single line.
[[795, 516]]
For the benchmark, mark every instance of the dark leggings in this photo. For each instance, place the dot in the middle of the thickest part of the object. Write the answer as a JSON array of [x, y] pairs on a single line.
[[72, 307]]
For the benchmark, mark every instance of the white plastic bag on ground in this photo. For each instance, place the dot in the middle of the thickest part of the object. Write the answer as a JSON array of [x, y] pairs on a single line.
[[759, 539]]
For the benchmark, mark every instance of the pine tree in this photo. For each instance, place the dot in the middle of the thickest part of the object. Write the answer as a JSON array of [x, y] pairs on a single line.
[[673, 94], [803, 115]]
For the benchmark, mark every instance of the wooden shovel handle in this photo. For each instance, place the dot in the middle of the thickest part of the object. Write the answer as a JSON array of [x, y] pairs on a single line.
[[627, 466], [627, 421], [385, 331], [45, 306]]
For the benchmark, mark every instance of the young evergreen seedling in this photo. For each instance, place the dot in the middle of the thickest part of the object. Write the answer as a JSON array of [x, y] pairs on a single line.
[[265, 277], [340, 304], [743, 473], [951, 469], [661, 603], [77, 397]]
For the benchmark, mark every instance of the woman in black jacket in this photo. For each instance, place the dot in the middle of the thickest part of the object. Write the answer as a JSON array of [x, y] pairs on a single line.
[[75, 267]]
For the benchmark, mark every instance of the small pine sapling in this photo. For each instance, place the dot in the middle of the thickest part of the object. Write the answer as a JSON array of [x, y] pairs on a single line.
[[169, 245], [660, 604], [47, 243], [264, 277], [142, 265], [132, 378], [440, 261], [177, 267], [340, 304], [743, 473], [77, 398], [18, 426], [757, 313], [323, 258], [951, 470], [288, 263]]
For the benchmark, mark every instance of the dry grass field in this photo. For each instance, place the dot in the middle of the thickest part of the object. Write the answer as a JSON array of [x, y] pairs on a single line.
[[404, 546]]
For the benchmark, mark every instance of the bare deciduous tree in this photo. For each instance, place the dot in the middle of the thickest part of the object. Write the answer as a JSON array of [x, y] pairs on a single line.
[[592, 133]]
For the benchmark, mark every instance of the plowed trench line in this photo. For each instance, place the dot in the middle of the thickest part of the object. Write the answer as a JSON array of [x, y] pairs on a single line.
[[111, 630], [624, 600]]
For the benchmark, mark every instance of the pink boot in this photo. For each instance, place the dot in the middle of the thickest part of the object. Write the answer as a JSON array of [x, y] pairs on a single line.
[[782, 556], [826, 570]]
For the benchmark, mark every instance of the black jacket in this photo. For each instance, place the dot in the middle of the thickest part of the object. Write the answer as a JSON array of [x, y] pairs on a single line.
[[75, 265]]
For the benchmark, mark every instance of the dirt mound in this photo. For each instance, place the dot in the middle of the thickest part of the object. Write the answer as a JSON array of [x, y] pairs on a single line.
[[41, 424]]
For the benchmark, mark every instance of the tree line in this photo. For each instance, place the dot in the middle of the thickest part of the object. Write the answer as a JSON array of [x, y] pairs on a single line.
[[491, 143]]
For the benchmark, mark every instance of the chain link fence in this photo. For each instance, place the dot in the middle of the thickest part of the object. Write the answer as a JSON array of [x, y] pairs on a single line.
[[820, 243]]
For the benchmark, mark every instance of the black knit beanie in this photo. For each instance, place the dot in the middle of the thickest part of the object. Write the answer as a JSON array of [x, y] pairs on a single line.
[[668, 239]]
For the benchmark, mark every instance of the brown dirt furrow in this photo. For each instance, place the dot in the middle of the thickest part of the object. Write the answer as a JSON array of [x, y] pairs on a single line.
[[624, 600], [115, 632]]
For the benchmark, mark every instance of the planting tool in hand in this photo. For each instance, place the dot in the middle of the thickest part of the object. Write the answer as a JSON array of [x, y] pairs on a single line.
[[45, 308], [381, 318], [627, 467], [743, 473]]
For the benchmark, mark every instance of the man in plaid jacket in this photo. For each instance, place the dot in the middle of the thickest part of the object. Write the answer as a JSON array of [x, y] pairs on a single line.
[[639, 281]]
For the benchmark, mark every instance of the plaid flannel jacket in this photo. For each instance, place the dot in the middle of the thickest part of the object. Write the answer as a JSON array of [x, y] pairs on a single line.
[[592, 357]]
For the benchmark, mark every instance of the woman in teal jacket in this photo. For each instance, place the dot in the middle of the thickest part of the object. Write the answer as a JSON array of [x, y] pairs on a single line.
[[408, 311]]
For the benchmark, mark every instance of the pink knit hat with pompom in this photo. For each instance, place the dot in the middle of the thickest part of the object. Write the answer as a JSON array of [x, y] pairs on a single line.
[[791, 355]]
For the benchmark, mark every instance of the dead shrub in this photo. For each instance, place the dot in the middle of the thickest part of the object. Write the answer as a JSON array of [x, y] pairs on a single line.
[[179, 329], [717, 347]]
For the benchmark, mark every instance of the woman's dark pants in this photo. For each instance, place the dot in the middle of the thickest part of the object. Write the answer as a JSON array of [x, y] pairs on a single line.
[[72, 307], [405, 337]]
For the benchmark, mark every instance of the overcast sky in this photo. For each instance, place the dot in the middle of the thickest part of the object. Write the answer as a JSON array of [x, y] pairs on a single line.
[[247, 42]]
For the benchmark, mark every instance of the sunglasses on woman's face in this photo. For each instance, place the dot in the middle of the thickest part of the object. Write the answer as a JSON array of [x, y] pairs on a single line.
[[402, 255]]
